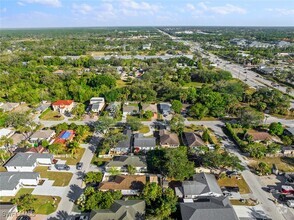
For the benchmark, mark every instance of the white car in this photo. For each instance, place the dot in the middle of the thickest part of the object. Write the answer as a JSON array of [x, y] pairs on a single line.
[[290, 203]]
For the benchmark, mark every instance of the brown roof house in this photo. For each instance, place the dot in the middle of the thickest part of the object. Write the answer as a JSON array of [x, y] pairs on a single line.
[[168, 140], [259, 136], [193, 140], [150, 107], [127, 184]]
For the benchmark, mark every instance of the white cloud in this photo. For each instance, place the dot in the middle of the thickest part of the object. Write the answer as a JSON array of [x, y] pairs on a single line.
[[222, 10], [52, 3], [131, 5], [82, 8], [281, 11]]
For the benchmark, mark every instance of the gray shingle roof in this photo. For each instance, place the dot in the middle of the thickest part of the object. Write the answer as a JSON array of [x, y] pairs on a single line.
[[126, 143], [141, 141], [9, 180], [202, 183], [210, 208], [123, 161], [26, 159], [42, 134], [121, 210], [168, 138], [193, 140]]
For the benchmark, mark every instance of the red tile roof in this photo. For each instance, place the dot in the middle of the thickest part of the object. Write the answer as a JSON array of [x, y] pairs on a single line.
[[38, 149], [62, 102]]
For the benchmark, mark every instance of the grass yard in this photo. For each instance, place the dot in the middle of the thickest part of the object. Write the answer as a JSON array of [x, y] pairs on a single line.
[[2, 169], [120, 83], [284, 164], [192, 128], [44, 205], [60, 178], [144, 129], [193, 84], [99, 161], [50, 115], [238, 202], [226, 181], [72, 160]]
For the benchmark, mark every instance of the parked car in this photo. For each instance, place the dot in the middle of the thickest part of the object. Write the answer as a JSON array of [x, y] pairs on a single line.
[[290, 203], [79, 165], [62, 167], [23, 217]]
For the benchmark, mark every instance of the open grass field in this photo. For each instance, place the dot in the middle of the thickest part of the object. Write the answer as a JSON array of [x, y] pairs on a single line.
[[284, 164], [60, 178], [241, 183], [50, 115]]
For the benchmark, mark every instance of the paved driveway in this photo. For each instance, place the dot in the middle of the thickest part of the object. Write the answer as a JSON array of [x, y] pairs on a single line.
[[47, 189]]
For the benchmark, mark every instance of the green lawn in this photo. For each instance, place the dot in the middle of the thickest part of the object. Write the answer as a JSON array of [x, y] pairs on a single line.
[[193, 84], [120, 83], [99, 161], [50, 115], [72, 160], [226, 181], [144, 129], [44, 205], [60, 178], [238, 202], [284, 164]]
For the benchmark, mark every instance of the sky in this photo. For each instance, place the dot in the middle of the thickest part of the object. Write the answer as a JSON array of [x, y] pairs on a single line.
[[95, 13]]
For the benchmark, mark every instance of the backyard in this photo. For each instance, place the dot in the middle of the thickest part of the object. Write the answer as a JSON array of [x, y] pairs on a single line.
[[60, 178], [44, 205], [233, 181], [73, 159]]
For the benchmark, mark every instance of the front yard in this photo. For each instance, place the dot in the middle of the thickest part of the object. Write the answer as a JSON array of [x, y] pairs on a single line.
[[60, 178], [144, 129], [73, 159], [284, 164], [50, 115], [44, 205], [233, 181]]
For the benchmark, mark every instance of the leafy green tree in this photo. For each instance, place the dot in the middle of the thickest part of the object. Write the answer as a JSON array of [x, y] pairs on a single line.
[[177, 106], [205, 136], [45, 143], [256, 150], [5, 141], [287, 140], [73, 147], [276, 128], [103, 124], [55, 148], [134, 123], [131, 169], [250, 118], [79, 110], [114, 171], [93, 177], [264, 168], [198, 111], [148, 114], [25, 202], [61, 127], [177, 123]]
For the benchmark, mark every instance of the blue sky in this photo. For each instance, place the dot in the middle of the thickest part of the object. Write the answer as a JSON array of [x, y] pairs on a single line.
[[78, 13]]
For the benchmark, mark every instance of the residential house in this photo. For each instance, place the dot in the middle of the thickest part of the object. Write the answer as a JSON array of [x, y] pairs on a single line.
[[42, 107], [113, 107], [288, 150], [8, 106], [121, 209], [38, 149], [142, 143], [131, 109], [150, 107], [259, 136], [65, 136], [203, 184], [127, 184], [168, 140], [121, 163], [192, 139], [8, 211], [124, 146], [164, 108], [11, 182], [97, 104], [27, 162], [208, 208], [42, 135], [146, 46], [266, 70], [289, 131], [63, 106]]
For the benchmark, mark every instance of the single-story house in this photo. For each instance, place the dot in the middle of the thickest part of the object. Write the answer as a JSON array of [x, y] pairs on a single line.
[[17, 138], [192, 139], [210, 208], [124, 146], [8, 211], [169, 140], [121, 209], [27, 162], [259, 136], [203, 184], [42, 135], [11, 182], [8, 106], [164, 108], [131, 109], [65, 136], [288, 150], [42, 107], [63, 106], [38, 149], [142, 143], [150, 107], [122, 162], [113, 106], [97, 104], [127, 184]]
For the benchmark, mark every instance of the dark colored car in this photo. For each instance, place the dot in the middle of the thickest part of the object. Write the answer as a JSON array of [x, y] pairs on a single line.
[[79, 165], [23, 217], [62, 167]]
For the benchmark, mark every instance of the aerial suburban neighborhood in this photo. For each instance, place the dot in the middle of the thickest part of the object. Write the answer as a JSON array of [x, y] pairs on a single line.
[[133, 123]]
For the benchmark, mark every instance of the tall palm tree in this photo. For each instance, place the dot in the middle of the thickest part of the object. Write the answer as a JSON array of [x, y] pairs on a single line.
[[73, 147], [6, 141]]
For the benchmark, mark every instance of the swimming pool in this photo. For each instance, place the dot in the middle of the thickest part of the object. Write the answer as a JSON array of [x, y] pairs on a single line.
[[65, 135]]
